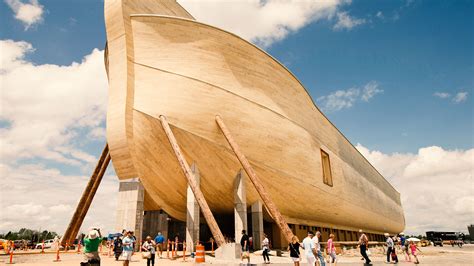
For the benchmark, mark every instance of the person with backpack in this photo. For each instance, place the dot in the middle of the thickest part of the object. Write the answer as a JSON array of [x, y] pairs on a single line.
[[294, 248]]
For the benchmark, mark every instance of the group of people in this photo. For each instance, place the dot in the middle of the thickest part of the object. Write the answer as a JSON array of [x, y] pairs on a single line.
[[409, 248], [311, 244], [123, 247], [246, 244], [314, 253]]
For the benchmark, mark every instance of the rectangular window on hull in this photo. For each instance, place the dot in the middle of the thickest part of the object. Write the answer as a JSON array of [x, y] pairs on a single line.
[[327, 175]]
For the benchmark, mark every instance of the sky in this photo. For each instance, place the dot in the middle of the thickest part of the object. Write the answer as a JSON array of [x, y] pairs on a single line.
[[396, 77]]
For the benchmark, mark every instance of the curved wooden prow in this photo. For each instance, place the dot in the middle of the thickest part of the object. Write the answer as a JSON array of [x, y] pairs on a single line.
[[86, 199]]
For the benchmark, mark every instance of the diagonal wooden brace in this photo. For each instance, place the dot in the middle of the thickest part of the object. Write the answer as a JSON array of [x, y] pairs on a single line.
[[86, 199], [269, 204], [206, 211]]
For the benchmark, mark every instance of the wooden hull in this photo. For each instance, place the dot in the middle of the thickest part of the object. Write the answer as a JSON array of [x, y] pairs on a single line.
[[190, 72]]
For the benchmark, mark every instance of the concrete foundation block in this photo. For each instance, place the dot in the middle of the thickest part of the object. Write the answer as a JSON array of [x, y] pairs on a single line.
[[229, 251]]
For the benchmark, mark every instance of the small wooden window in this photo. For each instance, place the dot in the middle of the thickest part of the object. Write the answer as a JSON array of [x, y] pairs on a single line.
[[327, 175]]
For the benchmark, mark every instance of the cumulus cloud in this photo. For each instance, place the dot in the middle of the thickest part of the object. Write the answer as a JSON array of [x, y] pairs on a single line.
[[370, 90], [457, 98], [262, 22], [28, 12], [460, 97], [47, 106], [442, 95], [344, 21], [435, 186], [46, 198], [343, 99]]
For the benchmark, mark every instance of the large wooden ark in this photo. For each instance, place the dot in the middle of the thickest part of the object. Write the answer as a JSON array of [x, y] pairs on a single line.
[[160, 61]]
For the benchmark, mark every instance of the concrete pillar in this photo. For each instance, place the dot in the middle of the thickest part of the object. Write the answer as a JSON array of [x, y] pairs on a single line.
[[257, 224], [154, 222], [240, 205], [192, 214], [130, 207]]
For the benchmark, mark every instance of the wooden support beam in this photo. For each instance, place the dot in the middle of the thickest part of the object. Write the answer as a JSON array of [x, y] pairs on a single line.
[[86, 199], [206, 211], [267, 201]]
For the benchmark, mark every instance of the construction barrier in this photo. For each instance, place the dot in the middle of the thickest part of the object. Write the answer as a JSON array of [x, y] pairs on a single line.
[[200, 255], [42, 247], [168, 249], [11, 256], [78, 247]]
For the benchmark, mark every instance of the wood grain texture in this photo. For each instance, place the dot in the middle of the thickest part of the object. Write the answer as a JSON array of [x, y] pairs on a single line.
[[190, 72], [262, 192]]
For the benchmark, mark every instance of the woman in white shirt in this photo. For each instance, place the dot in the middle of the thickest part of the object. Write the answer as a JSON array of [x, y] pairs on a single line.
[[149, 246], [266, 249]]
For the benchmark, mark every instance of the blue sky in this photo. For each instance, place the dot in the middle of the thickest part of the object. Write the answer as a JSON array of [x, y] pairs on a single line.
[[396, 77]]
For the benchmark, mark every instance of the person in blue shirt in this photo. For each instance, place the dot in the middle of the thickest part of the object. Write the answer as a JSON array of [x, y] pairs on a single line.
[[160, 240], [127, 246]]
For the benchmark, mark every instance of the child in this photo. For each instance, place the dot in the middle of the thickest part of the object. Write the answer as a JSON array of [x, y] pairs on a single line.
[[413, 249]]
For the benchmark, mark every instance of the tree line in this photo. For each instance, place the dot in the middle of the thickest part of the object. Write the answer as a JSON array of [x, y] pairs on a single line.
[[29, 234]]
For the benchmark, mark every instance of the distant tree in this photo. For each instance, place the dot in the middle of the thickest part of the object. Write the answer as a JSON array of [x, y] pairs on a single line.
[[29, 234]]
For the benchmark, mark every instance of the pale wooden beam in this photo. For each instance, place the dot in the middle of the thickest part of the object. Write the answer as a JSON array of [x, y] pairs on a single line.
[[86, 199], [206, 211], [269, 204]]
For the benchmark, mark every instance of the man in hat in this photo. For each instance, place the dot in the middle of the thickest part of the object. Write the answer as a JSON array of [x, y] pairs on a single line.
[[363, 245], [310, 249], [404, 246], [390, 248], [91, 246]]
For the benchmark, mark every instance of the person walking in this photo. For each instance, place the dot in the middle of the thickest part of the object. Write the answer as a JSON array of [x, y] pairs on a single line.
[[331, 249], [294, 248], [117, 247], [413, 249], [127, 248], [244, 243], [91, 247], [390, 249], [363, 245], [310, 249], [266, 249], [317, 244], [160, 241], [149, 246], [404, 246]]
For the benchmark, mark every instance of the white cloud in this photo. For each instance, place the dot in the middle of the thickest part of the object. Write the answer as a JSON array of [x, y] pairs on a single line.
[[460, 97], [442, 95], [370, 90], [340, 99], [343, 99], [435, 185], [29, 13], [344, 21], [47, 105], [379, 15], [262, 22], [51, 199]]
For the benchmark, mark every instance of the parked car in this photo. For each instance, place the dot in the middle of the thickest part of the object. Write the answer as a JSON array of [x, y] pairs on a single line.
[[47, 244], [438, 242]]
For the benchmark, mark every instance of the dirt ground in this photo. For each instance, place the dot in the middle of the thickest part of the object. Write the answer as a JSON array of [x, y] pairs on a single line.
[[446, 255]]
